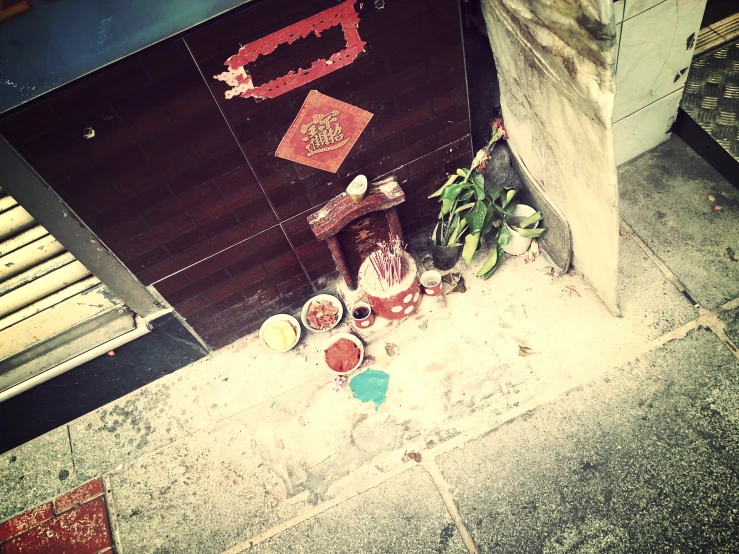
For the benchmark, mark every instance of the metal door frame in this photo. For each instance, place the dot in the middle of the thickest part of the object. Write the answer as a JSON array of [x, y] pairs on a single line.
[[21, 182]]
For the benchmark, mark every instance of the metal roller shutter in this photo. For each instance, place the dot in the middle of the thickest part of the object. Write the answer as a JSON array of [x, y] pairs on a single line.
[[51, 307]]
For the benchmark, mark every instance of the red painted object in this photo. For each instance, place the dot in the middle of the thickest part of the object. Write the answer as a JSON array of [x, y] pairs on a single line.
[[83, 530], [24, 522], [323, 133], [400, 301], [362, 315], [341, 211], [241, 81], [86, 492], [80, 527]]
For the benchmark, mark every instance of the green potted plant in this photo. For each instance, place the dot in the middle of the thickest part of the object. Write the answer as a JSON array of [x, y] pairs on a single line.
[[470, 212]]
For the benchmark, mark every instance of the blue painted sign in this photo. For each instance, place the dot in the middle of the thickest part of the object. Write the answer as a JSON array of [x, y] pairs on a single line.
[[47, 43]]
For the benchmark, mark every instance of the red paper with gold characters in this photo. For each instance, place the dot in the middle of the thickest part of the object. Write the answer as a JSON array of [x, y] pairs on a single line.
[[323, 133]]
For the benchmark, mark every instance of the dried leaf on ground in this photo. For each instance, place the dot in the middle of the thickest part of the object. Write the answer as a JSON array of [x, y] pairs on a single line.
[[711, 197], [415, 456], [455, 281], [525, 351], [532, 252], [424, 325], [718, 208], [570, 290], [391, 349]]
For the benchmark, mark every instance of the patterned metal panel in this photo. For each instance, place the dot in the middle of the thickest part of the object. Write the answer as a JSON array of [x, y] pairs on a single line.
[[711, 95]]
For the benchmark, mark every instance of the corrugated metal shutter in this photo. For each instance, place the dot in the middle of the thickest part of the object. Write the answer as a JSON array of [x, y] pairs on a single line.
[[51, 307]]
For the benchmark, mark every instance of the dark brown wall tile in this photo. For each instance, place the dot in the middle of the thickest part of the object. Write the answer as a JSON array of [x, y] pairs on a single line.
[[199, 204], [175, 263], [203, 233]]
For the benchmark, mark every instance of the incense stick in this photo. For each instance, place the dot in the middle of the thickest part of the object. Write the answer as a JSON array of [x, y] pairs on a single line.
[[387, 262]]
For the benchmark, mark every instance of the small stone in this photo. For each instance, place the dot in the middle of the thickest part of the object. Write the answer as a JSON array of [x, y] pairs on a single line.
[[711, 197], [63, 474]]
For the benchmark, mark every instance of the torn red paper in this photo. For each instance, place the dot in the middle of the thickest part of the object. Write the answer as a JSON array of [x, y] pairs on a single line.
[[241, 81]]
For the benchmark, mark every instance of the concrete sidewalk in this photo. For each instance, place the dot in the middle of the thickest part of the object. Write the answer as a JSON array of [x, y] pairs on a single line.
[[543, 424]]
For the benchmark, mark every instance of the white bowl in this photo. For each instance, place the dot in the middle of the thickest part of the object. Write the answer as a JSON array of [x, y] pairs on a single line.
[[319, 297], [335, 338], [280, 317]]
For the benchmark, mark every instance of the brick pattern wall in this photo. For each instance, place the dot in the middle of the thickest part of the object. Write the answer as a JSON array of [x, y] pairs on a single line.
[[183, 185]]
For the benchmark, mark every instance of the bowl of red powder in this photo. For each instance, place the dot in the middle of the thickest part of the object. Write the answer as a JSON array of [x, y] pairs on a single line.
[[343, 353]]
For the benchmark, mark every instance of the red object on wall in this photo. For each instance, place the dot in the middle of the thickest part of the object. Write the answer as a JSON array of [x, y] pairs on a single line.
[[323, 132], [241, 81]]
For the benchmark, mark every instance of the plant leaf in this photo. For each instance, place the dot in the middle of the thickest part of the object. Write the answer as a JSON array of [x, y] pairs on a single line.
[[449, 181], [499, 257], [463, 207], [470, 247], [504, 235], [487, 225], [529, 233], [508, 197], [494, 192], [489, 264], [478, 179], [509, 208], [463, 172], [466, 195], [533, 218], [446, 206], [476, 217], [458, 226], [452, 191], [479, 192], [433, 235]]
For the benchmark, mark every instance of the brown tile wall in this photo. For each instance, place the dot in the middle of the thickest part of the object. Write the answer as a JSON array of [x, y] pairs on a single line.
[[183, 185]]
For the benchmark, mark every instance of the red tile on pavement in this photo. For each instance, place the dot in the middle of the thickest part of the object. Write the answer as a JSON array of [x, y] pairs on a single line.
[[24, 522], [83, 530], [89, 490]]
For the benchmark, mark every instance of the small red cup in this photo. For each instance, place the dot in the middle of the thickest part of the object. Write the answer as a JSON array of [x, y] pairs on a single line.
[[362, 315], [431, 283]]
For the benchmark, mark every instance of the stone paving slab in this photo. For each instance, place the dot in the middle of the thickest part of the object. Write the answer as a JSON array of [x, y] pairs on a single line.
[[664, 198], [200, 495], [404, 515], [731, 321], [142, 421], [36, 471], [643, 460], [648, 300]]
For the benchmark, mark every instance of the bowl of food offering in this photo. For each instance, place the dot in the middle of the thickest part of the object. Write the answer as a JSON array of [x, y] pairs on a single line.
[[279, 333], [322, 313], [343, 353]]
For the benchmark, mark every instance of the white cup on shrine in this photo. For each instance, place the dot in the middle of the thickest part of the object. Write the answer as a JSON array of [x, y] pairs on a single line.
[[431, 282], [357, 188], [362, 315]]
